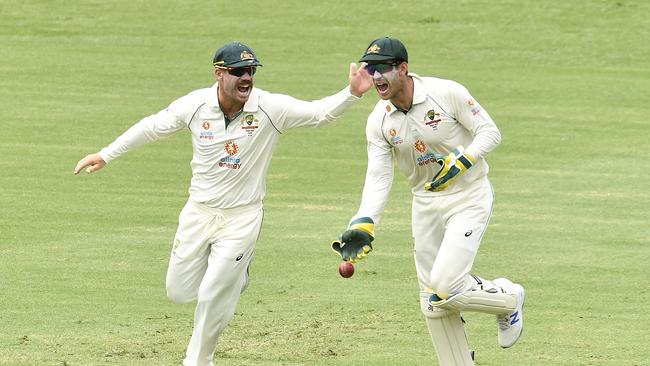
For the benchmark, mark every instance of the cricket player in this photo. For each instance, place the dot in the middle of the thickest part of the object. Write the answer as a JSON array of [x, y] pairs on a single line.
[[235, 128], [438, 135]]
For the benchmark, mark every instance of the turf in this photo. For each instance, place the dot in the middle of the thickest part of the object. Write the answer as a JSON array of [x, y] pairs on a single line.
[[84, 257]]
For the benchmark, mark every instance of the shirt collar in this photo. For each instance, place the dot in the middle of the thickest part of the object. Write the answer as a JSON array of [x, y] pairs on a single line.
[[419, 94]]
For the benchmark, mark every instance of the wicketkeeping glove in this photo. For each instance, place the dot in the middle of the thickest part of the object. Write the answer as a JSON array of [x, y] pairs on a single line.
[[453, 165], [355, 243]]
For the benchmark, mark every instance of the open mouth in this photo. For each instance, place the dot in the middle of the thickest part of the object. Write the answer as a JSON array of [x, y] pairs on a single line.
[[382, 86], [244, 89]]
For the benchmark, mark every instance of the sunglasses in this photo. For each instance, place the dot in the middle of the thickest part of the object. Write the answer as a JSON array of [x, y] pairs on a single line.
[[239, 71], [380, 68]]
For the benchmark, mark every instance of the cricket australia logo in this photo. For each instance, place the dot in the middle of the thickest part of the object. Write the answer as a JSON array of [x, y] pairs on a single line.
[[431, 119], [250, 124]]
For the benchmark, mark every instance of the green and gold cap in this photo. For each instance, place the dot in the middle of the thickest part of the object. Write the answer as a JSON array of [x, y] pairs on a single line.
[[385, 49], [235, 54]]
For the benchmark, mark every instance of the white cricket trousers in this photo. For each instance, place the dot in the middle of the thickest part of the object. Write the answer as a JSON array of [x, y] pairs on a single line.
[[447, 231], [209, 263]]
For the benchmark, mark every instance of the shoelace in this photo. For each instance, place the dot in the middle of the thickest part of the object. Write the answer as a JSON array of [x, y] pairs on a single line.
[[504, 322]]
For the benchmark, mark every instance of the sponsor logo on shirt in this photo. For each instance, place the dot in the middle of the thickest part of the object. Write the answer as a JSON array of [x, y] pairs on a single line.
[[420, 146], [231, 148], [475, 108], [431, 119], [424, 159], [231, 161], [395, 139], [207, 134]]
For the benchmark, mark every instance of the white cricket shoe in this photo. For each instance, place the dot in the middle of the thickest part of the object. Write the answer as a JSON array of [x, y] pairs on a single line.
[[511, 325]]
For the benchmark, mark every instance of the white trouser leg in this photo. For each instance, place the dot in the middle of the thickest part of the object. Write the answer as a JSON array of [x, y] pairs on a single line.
[[448, 231], [217, 299], [209, 262], [447, 334]]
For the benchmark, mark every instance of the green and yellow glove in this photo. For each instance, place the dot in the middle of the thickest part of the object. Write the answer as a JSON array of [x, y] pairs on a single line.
[[453, 165], [355, 243]]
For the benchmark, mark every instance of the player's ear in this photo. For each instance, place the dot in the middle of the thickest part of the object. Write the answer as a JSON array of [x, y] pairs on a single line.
[[403, 68]]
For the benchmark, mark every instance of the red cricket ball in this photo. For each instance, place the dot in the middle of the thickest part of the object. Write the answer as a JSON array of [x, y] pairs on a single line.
[[346, 269]]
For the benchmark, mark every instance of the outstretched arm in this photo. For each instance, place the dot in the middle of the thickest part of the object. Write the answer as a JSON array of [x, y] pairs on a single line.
[[152, 128], [298, 113]]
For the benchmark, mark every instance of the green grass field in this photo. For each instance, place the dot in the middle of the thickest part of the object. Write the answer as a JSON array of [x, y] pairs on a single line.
[[83, 258]]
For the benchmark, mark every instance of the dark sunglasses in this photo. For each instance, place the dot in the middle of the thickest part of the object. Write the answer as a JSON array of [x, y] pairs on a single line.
[[239, 71], [380, 68]]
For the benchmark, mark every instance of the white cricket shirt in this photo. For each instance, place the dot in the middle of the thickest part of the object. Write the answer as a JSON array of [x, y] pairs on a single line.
[[229, 165], [443, 116]]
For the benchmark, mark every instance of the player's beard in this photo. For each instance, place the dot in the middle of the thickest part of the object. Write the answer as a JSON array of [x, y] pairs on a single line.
[[237, 89], [241, 90]]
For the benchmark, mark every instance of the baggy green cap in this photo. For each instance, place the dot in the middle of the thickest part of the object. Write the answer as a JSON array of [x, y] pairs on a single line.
[[235, 54], [385, 49]]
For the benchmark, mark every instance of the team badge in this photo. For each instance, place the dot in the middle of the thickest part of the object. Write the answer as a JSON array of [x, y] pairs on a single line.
[[245, 55], [206, 125], [431, 119], [231, 148], [395, 139], [373, 49], [249, 124]]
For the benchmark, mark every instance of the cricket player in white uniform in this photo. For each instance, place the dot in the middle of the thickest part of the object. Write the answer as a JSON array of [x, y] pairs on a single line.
[[235, 128], [438, 135]]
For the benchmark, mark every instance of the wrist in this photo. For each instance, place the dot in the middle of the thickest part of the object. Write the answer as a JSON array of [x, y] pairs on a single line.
[[355, 92]]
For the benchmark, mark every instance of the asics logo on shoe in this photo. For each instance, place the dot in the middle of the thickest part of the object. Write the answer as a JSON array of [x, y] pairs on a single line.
[[514, 318]]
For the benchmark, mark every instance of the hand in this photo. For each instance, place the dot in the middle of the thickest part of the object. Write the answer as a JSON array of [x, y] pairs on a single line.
[[92, 163], [453, 165], [360, 80], [355, 243]]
